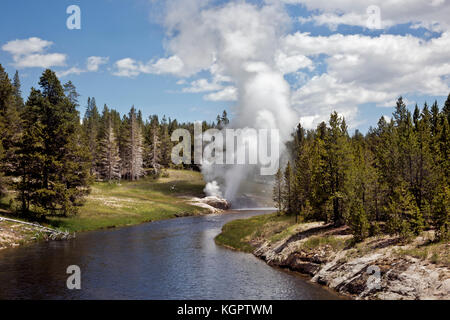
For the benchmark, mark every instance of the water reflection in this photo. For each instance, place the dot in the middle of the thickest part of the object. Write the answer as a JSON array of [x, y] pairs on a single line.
[[174, 259]]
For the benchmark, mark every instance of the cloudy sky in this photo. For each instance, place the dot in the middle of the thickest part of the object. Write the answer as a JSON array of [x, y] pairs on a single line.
[[184, 58]]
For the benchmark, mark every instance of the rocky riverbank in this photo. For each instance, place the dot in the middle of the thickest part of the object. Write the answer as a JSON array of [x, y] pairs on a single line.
[[379, 268]]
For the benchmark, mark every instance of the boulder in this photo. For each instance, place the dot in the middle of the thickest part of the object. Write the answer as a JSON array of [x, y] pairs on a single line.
[[216, 202], [212, 203]]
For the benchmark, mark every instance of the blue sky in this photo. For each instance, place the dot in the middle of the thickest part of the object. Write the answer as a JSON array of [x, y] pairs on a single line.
[[137, 30], [114, 29]]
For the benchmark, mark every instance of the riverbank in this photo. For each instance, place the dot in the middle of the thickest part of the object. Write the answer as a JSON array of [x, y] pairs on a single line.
[[117, 205], [14, 233], [419, 269]]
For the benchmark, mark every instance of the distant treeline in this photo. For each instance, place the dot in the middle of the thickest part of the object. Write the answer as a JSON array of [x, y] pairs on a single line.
[[394, 179], [49, 156]]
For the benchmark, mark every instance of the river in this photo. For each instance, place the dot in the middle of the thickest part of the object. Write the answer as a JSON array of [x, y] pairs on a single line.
[[171, 259]]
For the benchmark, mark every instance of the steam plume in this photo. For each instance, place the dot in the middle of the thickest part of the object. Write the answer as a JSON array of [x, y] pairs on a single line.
[[239, 42]]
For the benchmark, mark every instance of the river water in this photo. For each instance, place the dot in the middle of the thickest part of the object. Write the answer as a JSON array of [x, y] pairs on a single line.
[[171, 259]]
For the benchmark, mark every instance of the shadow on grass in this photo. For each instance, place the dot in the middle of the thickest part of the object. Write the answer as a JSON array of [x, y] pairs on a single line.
[[305, 234]]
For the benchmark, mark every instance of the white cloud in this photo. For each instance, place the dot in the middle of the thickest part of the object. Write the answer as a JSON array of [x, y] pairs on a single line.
[[73, 70], [202, 85], [131, 68], [172, 65], [227, 94], [126, 68], [324, 94], [29, 53], [290, 64], [40, 60], [333, 20], [93, 63], [363, 69], [431, 14], [385, 63], [239, 41], [26, 46]]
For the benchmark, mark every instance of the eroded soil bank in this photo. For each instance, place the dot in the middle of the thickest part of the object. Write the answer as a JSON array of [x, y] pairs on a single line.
[[379, 268]]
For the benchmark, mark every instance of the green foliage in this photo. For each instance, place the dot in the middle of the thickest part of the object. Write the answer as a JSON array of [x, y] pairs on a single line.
[[358, 222], [287, 195], [397, 175], [2, 183], [405, 218], [51, 160], [278, 191], [441, 216]]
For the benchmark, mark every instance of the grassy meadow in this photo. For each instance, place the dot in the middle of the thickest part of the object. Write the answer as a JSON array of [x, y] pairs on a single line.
[[129, 203]]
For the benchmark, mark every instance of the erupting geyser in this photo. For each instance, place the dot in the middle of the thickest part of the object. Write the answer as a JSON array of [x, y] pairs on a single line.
[[238, 44]]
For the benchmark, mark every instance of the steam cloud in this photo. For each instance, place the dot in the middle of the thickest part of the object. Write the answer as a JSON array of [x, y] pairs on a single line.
[[236, 42]]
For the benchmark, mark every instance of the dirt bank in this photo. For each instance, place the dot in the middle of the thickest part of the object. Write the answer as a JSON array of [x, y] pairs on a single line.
[[379, 268]]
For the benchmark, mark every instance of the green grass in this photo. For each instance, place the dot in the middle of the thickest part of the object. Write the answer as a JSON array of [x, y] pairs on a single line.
[[238, 234], [320, 241], [129, 203], [437, 253]]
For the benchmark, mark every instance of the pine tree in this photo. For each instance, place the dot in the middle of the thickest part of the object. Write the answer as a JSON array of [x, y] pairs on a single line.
[[71, 93], [358, 221], [425, 179], [442, 162], [302, 173], [91, 125], [338, 162], [320, 175], [18, 91], [109, 153], [287, 189], [10, 122], [398, 173], [219, 124], [31, 157], [2, 182], [362, 189], [52, 161], [133, 159], [441, 214], [224, 119], [446, 109], [153, 158], [405, 217], [406, 143], [166, 144], [416, 116], [278, 191], [11, 136], [434, 118]]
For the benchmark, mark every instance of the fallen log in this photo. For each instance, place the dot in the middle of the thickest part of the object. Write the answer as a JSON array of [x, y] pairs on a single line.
[[53, 232]]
